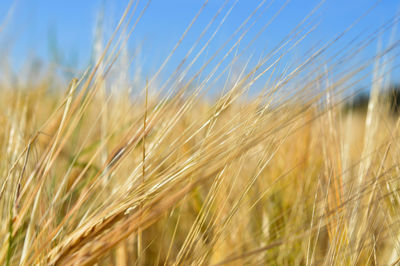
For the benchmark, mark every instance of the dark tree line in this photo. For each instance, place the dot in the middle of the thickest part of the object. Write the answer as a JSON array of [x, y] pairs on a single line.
[[390, 95]]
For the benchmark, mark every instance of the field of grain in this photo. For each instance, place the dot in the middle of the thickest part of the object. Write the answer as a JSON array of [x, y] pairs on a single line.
[[288, 175]]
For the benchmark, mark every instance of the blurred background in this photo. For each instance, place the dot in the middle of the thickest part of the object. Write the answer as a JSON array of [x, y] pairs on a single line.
[[62, 34]]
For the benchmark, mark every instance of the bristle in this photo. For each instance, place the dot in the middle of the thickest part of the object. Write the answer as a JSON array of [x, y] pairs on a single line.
[[114, 170]]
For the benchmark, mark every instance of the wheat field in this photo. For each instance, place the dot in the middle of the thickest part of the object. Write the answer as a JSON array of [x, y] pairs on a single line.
[[93, 173]]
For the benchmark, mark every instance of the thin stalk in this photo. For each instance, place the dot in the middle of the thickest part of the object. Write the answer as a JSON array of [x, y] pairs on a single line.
[[139, 237]]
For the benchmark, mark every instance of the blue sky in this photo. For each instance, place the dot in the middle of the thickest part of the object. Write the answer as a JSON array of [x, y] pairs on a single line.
[[34, 25]]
